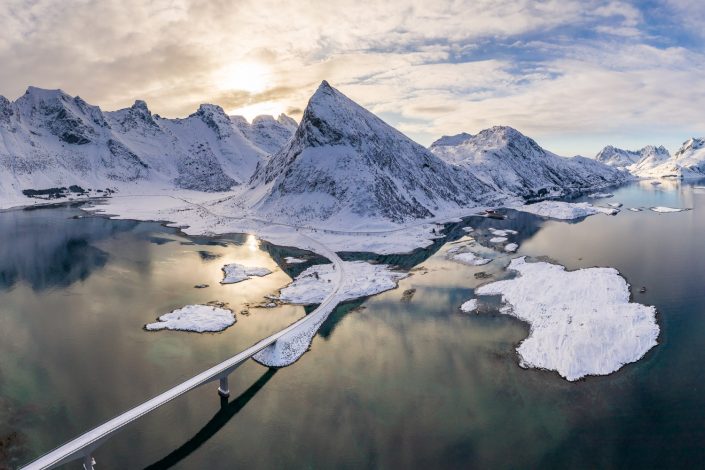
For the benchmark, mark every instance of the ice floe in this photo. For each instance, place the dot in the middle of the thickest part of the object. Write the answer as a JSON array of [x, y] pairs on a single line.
[[469, 258], [600, 195], [198, 318], [235, 272], [565, 210], [469, 306], [294, 260], [498, 239], [511, 247], [361, 279], [664, 209], [582, 322], [614, 204], [468, 229], [635, 209]]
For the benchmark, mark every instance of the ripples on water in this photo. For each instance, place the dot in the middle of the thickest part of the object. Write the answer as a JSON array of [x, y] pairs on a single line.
[[387, 383]]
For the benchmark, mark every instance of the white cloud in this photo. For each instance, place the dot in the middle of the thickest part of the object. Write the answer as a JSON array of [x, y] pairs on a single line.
[[522, 62]]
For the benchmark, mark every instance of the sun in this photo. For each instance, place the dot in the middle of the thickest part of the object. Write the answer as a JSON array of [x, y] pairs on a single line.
[[252, 77]]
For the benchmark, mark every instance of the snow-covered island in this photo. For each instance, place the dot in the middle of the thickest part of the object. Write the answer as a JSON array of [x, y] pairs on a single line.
[[196, 318], [582, 322], [236, 272], [362, 279], [565, 210]]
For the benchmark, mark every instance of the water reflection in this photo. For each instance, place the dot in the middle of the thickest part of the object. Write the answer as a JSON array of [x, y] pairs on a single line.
[[47, 252], [217, 422]]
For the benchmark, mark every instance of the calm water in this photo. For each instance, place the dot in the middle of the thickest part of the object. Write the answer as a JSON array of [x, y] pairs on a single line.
[[387, 384]]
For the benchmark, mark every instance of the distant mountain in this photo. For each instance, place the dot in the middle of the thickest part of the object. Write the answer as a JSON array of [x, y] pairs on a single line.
[[345, 166], [657, 162], [49, 139], [510, 162], [687, 162]]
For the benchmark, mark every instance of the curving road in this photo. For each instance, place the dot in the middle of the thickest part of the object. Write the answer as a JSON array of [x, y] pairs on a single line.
[[278, 350]]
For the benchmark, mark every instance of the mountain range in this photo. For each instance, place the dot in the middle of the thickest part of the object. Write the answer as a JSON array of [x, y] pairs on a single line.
[[340, 165], [657, 162]]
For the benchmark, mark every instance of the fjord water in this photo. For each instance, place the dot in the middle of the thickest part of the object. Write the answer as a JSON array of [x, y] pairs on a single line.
[[388, 383]]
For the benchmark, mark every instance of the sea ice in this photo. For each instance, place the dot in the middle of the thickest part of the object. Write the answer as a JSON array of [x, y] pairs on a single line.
[[235, 272], [468, 229], [361, 279], [469, 306], [635, 209], [614, 204], [498, 239], [198, 318], [502, 233], [582, 322], [600, 195], [294, 260], [511, 247]]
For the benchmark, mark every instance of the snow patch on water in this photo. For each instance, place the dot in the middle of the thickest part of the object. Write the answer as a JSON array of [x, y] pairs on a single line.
[[235, 272], [469, 258], [565, 210], [582, 322], [663, 209], [362, 279], [469, 306], [198, 318]]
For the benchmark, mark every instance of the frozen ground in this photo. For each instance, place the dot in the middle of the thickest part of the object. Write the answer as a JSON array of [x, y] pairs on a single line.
[[198, 318], [235, 272], [582, 322], [565, 210], [361, 279]]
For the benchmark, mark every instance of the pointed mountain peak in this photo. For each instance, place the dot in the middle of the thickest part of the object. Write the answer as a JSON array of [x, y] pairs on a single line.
[[449, 140], [141, 106]]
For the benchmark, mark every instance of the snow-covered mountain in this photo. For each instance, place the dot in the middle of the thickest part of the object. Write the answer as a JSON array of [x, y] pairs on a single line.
[[687, 162], [49, 139], [510, 162], [345, 166], [657, 162]]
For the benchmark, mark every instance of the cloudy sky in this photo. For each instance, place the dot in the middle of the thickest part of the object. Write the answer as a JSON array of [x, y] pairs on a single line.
[[573, 74]]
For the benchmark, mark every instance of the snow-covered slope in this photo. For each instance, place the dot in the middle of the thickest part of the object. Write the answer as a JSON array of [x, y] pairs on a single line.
[[508, 161], [49, 139], [687, 162], [346, 167]]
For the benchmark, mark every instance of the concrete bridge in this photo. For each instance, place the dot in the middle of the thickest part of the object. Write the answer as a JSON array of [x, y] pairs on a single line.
[[83, 446]]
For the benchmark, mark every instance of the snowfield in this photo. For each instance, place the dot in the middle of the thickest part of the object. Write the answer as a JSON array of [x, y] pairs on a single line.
[[565, 210], [198, 318], [582, 322], [235, 272], [362, 279]]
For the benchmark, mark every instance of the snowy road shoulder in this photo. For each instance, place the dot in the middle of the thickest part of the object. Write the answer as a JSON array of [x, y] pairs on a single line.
[[582, 322]]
